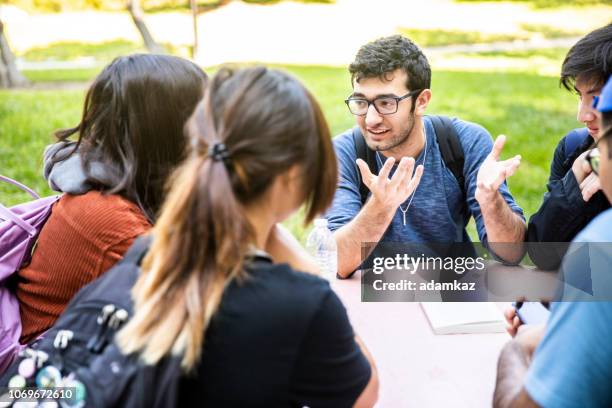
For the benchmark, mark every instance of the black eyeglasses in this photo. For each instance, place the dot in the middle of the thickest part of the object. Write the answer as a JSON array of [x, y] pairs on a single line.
[[384, 105], [593, 159]]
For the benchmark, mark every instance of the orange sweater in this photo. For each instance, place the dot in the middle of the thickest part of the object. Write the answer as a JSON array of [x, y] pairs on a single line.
[[84, 236]]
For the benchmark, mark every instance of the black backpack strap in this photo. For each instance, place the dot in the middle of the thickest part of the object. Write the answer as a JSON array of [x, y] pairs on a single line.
[[113, 379], [367, 155], [576, 142], [450, 147], [137, 251]]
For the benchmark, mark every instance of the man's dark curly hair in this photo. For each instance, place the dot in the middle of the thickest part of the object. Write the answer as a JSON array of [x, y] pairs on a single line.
[[590, 57], [383, 56]]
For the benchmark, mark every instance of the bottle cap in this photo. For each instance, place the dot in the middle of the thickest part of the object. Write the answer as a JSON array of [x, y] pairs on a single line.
[[320, 222]]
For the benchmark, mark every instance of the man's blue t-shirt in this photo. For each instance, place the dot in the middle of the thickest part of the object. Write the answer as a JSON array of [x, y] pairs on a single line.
[[439, 212], [572, 366]]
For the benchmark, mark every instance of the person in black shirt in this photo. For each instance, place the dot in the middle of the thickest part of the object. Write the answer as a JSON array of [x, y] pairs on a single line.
[[248, 331], [574, 194]]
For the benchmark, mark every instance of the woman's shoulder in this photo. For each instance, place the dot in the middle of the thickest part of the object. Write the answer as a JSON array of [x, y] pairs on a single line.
[[96, 211], [298, 292], [284, 274]]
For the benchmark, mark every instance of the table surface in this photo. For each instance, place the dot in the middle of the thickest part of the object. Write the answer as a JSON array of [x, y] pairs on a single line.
[[416, 367]]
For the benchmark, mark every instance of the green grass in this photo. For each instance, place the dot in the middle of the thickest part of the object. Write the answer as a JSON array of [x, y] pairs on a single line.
[[27, 121], [547, 31], [61, 75], [71, 50], [438, 37], [434, 38], [555, 55], [530, 109], [100, 52]]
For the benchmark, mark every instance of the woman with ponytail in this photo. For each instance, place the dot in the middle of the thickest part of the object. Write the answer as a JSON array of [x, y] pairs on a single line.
[[248, 331]]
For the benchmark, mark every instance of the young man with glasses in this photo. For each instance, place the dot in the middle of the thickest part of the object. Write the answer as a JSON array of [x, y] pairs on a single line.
[[413, 195], [568, 363], [574, 194]]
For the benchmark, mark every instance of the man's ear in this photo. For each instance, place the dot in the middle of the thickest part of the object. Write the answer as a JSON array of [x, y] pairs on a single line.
[[422, 101]]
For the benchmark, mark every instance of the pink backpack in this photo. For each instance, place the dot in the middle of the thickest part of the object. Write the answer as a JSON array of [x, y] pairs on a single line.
[[19, 229]]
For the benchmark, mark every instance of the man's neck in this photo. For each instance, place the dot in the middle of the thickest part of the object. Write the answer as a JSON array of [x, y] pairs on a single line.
[[413, 146]]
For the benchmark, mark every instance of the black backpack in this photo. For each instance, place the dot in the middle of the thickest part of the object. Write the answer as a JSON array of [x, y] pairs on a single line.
[[450, 149], [79, 347]]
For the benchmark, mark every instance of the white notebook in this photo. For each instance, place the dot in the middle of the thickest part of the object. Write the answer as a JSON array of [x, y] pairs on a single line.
[[464, 317]]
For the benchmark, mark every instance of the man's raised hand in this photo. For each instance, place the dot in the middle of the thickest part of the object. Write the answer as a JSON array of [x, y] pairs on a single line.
[[493, 172], [390, 193]]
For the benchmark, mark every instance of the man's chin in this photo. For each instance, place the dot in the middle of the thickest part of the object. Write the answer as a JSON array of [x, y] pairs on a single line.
[[378, 147], [377, 144]]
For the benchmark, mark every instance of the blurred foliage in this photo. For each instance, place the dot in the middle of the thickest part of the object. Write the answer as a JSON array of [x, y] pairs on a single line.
[[554, 54], [433, 38], [548, 3], [547, 31], [278, 1], [115, 5], [437, 37], [66, 5]]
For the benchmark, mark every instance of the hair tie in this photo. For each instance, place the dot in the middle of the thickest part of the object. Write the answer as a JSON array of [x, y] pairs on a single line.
[[218, 152]]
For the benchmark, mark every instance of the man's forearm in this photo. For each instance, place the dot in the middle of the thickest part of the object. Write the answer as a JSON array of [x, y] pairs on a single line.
[[505, 229], [511, 371], [368, 226]]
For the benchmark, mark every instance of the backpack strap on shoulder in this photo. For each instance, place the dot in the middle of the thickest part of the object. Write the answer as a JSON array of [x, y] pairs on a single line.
[[574, 140], [137, 251], [367, 155], [450, 147]]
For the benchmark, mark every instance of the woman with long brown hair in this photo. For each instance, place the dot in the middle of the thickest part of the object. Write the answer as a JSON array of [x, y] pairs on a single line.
[[248, 331], [128, 141]]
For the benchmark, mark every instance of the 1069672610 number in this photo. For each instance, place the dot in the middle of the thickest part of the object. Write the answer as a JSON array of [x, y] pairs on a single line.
[[34, 393]]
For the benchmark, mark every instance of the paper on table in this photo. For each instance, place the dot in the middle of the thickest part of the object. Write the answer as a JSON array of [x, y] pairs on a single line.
[[464, 317]]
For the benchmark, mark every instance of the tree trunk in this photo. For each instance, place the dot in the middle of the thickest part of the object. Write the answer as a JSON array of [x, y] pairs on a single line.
[[138, 17], [9, 74], [195, 53]]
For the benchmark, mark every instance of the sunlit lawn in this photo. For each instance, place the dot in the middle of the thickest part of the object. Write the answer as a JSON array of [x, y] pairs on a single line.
[[530, 109]]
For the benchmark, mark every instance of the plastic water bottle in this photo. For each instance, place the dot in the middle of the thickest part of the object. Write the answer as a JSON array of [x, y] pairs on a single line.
[[322, 246]]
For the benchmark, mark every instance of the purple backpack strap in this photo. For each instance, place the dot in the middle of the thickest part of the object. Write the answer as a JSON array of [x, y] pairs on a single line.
[[8, 215], [10, 328], [19, 185], [19, 229]]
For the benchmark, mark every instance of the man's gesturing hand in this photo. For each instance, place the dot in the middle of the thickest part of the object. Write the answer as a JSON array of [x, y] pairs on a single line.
[[493, 172], [391, 193]]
